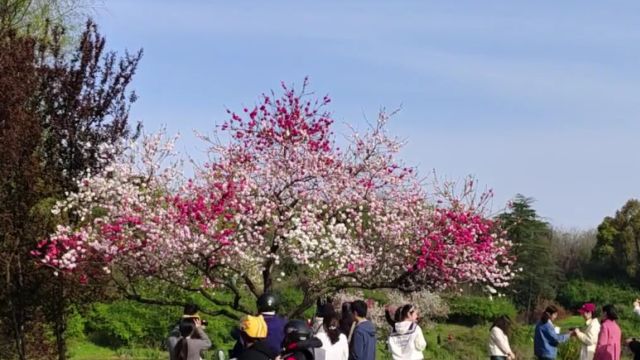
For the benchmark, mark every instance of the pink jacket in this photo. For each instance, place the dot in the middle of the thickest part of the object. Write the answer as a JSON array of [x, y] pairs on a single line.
[[608, 347]]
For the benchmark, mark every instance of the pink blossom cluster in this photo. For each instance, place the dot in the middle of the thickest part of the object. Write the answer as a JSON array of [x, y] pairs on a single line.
[[278, 197]]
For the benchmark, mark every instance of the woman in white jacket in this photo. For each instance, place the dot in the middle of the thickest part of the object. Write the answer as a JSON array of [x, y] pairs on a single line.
[[334, 342], [499, 348], [407, 342], [588, 337]]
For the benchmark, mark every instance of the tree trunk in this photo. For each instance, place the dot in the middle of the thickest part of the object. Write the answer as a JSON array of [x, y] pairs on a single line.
[[60, 321], [17, 312]]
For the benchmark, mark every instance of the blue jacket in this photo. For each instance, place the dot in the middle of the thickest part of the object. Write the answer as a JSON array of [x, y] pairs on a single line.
[[363, 342], [275, 331], [546, 340]]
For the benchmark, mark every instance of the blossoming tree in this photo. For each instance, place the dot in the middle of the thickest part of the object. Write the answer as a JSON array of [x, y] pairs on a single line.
[[278, 200]]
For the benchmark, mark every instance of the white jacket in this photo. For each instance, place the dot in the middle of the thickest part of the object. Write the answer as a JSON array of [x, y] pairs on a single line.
[[589, 339], [407, 342], [337, 351], [498, 343]]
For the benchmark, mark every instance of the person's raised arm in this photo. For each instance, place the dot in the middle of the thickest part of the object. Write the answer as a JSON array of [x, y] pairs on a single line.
[[202, 342], [554, 338], [420, 342], [590, 337]]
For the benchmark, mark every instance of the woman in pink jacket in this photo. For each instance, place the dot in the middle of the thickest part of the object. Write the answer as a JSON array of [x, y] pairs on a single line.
[[608, 347]]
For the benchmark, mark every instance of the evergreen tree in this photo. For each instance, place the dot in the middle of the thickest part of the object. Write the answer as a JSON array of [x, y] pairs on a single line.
[[531, 237]]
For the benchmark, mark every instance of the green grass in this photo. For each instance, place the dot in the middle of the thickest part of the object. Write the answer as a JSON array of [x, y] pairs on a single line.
[[85, 350]]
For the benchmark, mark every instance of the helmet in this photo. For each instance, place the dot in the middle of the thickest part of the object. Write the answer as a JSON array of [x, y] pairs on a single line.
[[296, 331], [267, 302]]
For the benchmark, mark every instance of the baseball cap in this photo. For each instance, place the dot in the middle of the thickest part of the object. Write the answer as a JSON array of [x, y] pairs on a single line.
[[588, 307], [254, 326]]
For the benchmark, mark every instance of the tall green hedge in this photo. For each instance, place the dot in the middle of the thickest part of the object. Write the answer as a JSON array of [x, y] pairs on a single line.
[[473, 310]]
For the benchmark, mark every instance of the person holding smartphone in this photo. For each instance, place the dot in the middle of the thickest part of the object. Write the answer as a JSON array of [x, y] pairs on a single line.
[[589, 337], [547, 338], [191, 342], [189, 314]]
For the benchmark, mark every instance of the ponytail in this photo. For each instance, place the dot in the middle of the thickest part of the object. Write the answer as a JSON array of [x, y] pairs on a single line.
[[182, 349], [187, 327], [331, 326]]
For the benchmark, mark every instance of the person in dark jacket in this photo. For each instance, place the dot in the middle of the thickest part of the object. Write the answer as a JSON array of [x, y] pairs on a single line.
[[363, 341], [346, 320], [299, 343], [634, 346], [267, 305], [324, 308], [254, 332]]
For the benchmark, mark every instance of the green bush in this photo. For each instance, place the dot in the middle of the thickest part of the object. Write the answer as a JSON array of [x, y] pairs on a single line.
[[75, 325], [577, 292], [127, 323], [472, 310]]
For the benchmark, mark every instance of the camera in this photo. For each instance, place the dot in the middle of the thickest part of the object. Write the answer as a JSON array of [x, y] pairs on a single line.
[[204, 322]]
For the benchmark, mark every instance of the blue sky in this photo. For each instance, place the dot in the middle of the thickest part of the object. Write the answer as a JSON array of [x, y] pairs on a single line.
[[534, 97]]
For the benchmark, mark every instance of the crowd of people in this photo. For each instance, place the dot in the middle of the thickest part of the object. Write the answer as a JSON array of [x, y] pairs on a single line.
[[331, 335], [348, 335], [599, 339]]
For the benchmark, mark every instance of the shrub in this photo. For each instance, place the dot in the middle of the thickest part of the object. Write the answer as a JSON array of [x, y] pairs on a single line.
[[472, 310], [125, 323], [75, 325], [576, 292]]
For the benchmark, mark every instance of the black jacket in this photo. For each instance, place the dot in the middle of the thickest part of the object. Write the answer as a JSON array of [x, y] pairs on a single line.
[[258, 351], [635, 349]]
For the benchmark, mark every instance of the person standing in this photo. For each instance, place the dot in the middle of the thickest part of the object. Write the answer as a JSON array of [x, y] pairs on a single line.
[[267, 305], [334, 342], [610, 337], [546, 338], [324, 309], [347, 321], [189, 314], [407, 342], [634, 346], [588, 338], [254, 332], [499, 348], [192, 341], [363, 341]]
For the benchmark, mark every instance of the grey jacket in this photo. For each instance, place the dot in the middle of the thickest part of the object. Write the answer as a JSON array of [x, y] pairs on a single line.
[[196, 345]]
